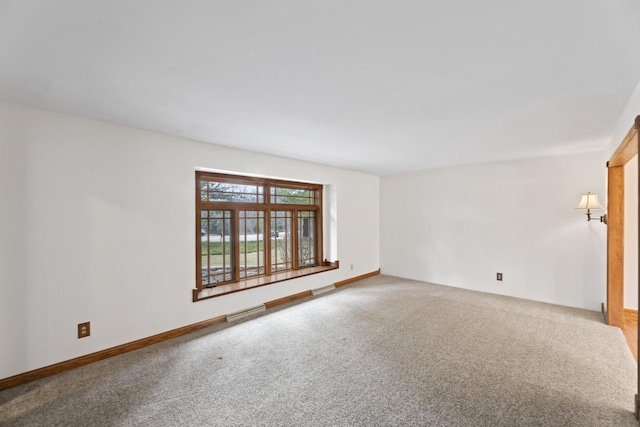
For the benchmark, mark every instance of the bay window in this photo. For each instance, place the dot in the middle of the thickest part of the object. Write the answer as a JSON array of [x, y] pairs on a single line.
[[255, 231]]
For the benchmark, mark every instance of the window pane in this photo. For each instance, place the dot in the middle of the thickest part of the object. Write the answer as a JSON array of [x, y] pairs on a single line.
[[281, 245], [215, 233], [203, 190], [232, 197], [292, 196], [306, 239], [229, 192], [251, 239]]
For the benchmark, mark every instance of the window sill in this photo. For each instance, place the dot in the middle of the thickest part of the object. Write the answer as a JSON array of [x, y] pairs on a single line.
[[199, 295]]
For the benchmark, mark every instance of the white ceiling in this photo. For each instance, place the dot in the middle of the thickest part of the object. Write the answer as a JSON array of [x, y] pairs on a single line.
[[377, 86]]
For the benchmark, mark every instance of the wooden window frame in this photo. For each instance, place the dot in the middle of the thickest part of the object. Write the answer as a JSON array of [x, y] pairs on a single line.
[[237, 283]]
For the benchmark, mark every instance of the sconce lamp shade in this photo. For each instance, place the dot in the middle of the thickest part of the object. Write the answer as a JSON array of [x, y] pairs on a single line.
[[589, 201]]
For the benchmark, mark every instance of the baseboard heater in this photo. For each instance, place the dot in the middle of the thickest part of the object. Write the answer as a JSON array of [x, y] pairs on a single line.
[[323, 289], [244, 313]]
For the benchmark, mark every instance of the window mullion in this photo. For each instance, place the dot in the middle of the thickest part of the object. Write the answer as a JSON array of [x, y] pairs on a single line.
[[235, 244], [267, 241], [318, 229], [294, 238], [266, 192]]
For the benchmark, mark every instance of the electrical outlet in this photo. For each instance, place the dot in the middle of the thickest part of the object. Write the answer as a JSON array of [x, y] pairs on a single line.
[[352, 266], [84, 329], [499, 276]]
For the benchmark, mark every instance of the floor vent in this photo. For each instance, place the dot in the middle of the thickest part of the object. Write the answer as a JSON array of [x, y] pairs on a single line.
[[244, 313], [323, 290]]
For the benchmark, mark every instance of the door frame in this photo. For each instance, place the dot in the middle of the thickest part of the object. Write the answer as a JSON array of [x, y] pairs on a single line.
[[627, 149], [614, 314]]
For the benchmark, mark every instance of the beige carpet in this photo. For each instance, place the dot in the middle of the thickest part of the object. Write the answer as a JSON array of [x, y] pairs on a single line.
[[384, 351]]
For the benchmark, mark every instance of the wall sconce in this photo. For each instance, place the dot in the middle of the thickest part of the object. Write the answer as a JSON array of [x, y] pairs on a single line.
[[590, 201]]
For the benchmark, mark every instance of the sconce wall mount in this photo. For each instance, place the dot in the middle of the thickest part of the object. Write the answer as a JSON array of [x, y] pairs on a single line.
[[590, 201]]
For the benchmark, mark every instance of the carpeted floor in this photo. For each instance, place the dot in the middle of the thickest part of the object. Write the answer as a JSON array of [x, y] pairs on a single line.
[[383, 351]]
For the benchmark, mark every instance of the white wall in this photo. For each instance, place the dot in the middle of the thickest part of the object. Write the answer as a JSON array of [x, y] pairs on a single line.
[[98, 225], [631, 234], [13, 289], [460, 226], [631, 111]]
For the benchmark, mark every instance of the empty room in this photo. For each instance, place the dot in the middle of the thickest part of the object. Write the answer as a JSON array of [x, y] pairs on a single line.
[[319, 213]]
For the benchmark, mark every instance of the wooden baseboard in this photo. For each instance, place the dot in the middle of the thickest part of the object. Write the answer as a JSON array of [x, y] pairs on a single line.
[[57, 368], [631, 314], [67, 365], [287, 299], [355, 279]]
